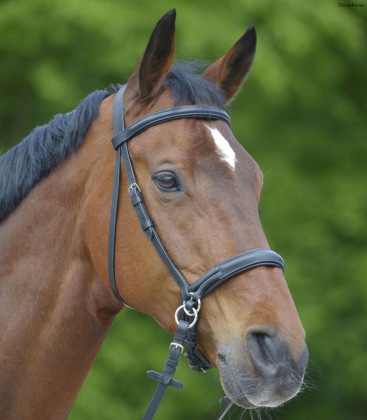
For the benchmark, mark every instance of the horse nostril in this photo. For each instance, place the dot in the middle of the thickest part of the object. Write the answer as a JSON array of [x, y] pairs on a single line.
[[263, 342], [267, 351], [221, 357]]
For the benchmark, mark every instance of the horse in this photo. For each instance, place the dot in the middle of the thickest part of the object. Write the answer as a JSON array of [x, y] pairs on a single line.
[[74, 254]]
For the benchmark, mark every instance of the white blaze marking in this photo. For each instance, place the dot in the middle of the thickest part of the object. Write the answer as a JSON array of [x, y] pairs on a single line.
[[224, 150]]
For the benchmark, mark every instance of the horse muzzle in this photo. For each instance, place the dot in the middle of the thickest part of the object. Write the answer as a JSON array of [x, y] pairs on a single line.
[[264, 374]]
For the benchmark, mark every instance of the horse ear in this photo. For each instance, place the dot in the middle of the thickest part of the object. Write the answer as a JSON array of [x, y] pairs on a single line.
[[157, 58], [230, 71]]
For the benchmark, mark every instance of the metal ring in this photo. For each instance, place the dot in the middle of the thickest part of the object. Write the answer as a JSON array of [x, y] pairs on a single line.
[[197, 309], [188, 313], [195, 315], [176, 313], [198, 302]]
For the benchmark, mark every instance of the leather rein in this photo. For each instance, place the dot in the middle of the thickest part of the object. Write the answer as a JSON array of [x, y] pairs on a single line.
[[187, 313]]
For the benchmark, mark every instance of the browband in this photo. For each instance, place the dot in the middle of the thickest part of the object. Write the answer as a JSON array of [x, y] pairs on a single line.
[[169, 114]]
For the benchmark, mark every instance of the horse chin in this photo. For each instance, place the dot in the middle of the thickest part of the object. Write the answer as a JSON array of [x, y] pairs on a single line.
[[234, 392], [239, 400], [248, 390]]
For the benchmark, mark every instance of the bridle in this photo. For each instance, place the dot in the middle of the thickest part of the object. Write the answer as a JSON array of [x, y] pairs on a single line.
[[187, 313]]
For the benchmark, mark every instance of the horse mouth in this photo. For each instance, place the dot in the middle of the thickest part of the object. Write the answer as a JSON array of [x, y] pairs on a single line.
[[248, 389], [234, 393], [232, 387]]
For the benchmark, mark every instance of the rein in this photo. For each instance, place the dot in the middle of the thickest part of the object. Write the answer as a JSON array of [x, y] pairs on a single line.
[[187, 313]]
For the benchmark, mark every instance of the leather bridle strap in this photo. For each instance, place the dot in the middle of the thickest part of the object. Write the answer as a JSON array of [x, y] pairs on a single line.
[[136, 198], [231, 267], [187, 314], [166, 115], [119, 141]]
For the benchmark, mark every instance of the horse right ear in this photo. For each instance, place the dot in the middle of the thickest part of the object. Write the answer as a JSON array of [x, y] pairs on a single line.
[[230, 71], [156, 61]]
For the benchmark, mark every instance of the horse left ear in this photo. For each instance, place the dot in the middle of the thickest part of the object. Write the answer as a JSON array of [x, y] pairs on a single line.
[[230, 71], [156, 60]]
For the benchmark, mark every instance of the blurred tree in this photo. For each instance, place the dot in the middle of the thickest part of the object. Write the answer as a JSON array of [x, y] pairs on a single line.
[[302, 115]]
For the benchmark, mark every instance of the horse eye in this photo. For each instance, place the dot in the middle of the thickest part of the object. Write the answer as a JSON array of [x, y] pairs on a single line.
[[166, 181]]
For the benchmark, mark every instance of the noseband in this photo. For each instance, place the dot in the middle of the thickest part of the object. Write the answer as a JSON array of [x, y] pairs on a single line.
[[187, 314]]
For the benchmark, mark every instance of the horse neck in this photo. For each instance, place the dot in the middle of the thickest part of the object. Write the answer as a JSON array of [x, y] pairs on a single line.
[[54, 308]]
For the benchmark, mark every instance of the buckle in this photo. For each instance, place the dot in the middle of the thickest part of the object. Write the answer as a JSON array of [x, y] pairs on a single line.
[[177, 346], [134, 185]]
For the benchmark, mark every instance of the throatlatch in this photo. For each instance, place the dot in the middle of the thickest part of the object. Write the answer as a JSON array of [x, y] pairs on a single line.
[[188, 312]]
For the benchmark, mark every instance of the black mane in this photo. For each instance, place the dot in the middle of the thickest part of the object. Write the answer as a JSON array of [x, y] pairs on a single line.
[[42, 150], [48, 145]]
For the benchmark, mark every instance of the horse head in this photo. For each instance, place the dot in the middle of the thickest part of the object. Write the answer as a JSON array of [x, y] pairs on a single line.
[[202, 190]]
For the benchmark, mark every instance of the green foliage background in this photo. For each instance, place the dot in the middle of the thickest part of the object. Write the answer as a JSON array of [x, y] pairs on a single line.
[[301, 114]]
